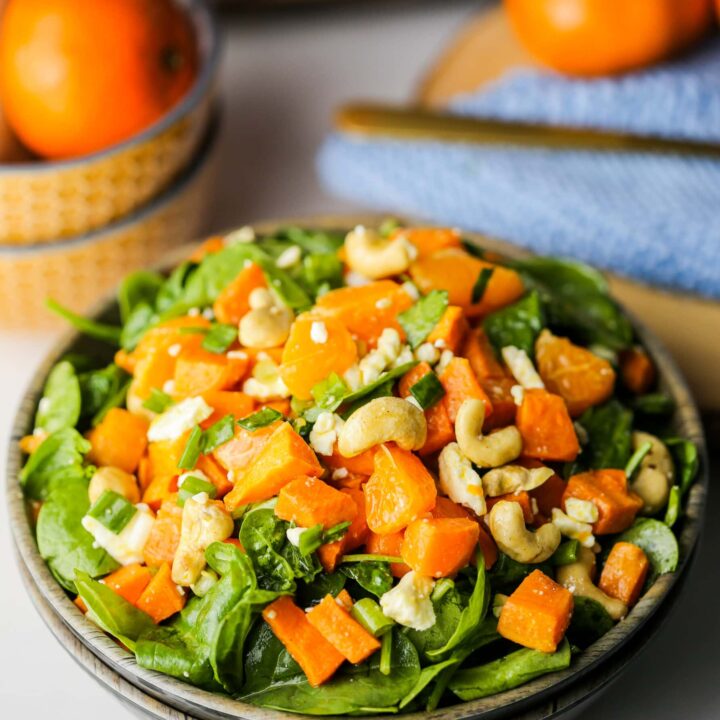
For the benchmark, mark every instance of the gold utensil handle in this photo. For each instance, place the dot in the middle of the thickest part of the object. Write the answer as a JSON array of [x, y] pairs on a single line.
[[410, 123]]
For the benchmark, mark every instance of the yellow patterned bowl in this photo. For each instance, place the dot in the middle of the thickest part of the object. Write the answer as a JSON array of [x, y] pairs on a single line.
[[42, 202], [77, 271]]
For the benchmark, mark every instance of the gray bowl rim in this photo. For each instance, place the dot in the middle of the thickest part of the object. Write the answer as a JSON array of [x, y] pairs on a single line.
[[206, 31], [186, 697]]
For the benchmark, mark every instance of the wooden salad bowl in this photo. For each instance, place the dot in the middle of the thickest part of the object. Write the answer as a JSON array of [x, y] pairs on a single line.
[[165, 697]]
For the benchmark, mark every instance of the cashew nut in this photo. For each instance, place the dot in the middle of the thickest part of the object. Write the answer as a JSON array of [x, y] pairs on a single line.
[[459, 480], [265, 327], [514, 478], [374, 257], [497, 448], [578, 579], [203, 522], [507, 525], [656, 474], [115, 479], [385, 419]]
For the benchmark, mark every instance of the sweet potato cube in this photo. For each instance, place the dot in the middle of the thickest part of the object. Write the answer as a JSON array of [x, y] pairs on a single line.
[[129, 581], [389, 544], [164, 456], [439, 547], [164, 537], [119, 440], [537, 614], [617, 506], [161, 598], [239, 452], [332, 620], [546, 427], [227, 402], [451, 329], [198, 371], [234, 301], [283, 458], [623, 576], [318, 658], [307, 501], [460, 383]]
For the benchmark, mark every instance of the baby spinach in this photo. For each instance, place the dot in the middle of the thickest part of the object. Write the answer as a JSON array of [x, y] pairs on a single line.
[[507, 573], [321, 272], [274, 680], [590, 621], [687, 461], [141, 287], [657, 541], [59, 453], [219, 338], [375, 577], [419, 320], [102, 390], [448, 611], [60, 404], [174, 286], [481, 284], [63, 542], [653, 404], [508, 672], [576, 301], [139, 321], [111, 612], [518, 324], [311, 592], [427, 675], [609, 429], [428, 390], [100, 331], [315, 242], [260, 419]]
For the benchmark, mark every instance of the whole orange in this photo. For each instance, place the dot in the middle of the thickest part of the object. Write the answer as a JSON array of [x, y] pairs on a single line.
[[603, 37], [77, 76]]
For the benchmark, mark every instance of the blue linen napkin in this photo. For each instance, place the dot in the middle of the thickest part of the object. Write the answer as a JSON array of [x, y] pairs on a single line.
[[655, 218]]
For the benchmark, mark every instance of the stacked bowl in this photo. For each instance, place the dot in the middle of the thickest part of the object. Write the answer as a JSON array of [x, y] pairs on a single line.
[[71, 229]]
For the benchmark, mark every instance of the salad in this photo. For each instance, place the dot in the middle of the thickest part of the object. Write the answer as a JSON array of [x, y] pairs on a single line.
[[357, 473]]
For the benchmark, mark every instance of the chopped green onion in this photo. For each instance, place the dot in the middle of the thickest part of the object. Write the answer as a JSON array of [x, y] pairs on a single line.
[[113, 511], [191, 486], [218, 434], [361, 557], [191, 453], [310, 539], [369, 614], [336, 532], [673, 508], [329, 393], [260, 419], [194, 330], [158, 402], [442, 588], [566, 553], [202, 586], [419, 320], [636, 458], [220, 338], [386, 653], [428, 390], [481, 284]]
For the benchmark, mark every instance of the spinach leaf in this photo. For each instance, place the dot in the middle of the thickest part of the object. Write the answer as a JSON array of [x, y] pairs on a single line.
[[419, 320], [576, 301], [63, 542], [609, 429], [658, 542], [448, 611], [471, 618], [590, 621], [100, 331], [428, 390], [262, 534], [518, 324], [59, 453], [375, 577], [355, 399], [260, 419], [140, 287], [174, 286], [219, 338], [111, 612], [59, 407], [507, 573], [321, 271], [276, 681], [481, 284], [427, 675], [139, 321], [687, 461], [330, 392], [309, 593], [314, 242], [653, 404], [289, 291], [101, 390], [508, 672]]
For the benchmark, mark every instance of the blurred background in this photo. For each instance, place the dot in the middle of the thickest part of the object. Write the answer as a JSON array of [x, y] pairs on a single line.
[[130, 127]]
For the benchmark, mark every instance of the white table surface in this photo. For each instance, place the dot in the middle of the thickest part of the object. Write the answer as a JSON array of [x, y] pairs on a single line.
[[282, 76]]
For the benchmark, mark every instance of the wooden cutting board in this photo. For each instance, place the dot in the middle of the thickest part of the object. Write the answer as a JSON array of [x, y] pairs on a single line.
[[690, 326]]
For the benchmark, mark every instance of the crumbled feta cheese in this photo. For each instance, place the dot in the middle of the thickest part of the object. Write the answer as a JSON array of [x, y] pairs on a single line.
[[266, 383], [169, 387], [236, 355], [411, 289], [208, 314], [440, 344], [289, 257], [127, 546], [445, 357], [518, 394], [193, 312], [582, 510], [178, 419], [521, 367], [318, 332], [580, 531], [244, 234], [405, 356], [44, 405], [324, 433], [428, 353], [383, 303], [409, 603], [340, 473], [355, 279], [353, 377], [175, 349], [192, 473], [459, 480], [294, 534], [389, 344]]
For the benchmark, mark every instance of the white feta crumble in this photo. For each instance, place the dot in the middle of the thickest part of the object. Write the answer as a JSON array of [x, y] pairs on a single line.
[[411, 290], [193, 312], [318, 332], [459, 480], [266, 383], [44, 405], [178, 419], [127, 546], [169, 387], [324, 433], [409, 603], [355, 279], [446, 357], [580, 531], [244, 234], [428, 353], [383, 303], [518, 394], [294, 534], [522, 368], [340, 473], [174, 350], [582, 510], [289, 257]]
